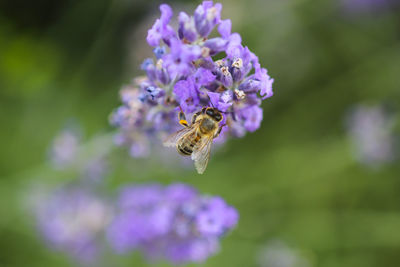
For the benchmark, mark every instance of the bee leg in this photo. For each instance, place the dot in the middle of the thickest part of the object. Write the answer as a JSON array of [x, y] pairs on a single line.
[[219, 131], [182, 118]]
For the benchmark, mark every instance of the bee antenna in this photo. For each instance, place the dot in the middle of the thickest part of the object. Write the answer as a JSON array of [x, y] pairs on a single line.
[[227, 112], [209, 101]]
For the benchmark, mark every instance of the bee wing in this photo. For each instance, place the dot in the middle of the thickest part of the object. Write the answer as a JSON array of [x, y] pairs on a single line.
[[201, 153], [173, 138]]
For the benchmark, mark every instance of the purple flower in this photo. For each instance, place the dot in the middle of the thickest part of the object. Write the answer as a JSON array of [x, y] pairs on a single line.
[[252, 117], [216, 45], [265, 83], [371, 130], [172, 223], [71, 220], [250, 86], [159, 51], [184, 73], [161, 30], [235, 46], [154, 92], [187, 95], [179, 61], [187, 29], [204, 77], [221, 102], [180, 193], [206, 17], [65, 148], [213, 219], [224, 28]]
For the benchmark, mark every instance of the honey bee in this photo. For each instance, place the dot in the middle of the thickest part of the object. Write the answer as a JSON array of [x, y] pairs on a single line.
[[195, 140]]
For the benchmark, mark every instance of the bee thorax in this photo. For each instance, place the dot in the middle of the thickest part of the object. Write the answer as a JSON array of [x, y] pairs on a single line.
[[207, 125]]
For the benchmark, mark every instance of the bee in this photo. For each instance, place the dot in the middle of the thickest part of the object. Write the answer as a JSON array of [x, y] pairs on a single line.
[[195, 140]]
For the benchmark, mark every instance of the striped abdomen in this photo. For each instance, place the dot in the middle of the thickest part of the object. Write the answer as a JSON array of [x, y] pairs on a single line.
[[185, 145]]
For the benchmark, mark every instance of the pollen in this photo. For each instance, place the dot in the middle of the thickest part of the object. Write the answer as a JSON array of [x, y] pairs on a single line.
[[183, 122], [205, 51], [238, 63], [219, 63], [159, 64], [225, 71], [240, 94]]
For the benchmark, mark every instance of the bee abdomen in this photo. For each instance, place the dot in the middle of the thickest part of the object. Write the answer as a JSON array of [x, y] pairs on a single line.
[[185, 150], [186, 146]]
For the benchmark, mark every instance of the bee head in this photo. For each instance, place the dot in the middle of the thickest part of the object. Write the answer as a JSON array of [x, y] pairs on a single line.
[[213, 113]]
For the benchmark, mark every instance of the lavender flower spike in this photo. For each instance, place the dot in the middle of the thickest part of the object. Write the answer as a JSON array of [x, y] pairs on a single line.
[[71, 219], [371, 131], [184, 72], [173, 223], [64, 149]]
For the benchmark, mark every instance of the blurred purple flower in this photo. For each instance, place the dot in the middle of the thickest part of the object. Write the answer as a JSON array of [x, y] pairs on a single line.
[[173, 223], [371, 130], [66, 152], [72, 220], [215, 217], [185, 73], [277, 253], [95, 170], [64, 148]]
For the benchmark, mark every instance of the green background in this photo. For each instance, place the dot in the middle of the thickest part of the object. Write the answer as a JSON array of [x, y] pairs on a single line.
[[294, 179]]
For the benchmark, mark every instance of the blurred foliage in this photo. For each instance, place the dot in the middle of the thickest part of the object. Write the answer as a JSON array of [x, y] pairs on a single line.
[[294, 179]]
